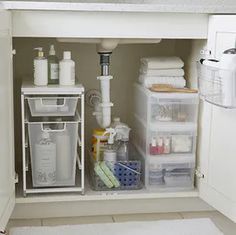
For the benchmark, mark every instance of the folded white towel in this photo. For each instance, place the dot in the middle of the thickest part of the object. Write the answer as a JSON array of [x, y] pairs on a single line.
[[177, 82], [162, 72], [172, 62]]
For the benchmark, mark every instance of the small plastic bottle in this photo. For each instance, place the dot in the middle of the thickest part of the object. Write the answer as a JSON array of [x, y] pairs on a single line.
[[153, 146], [166, 145], [160, 146], [40, 68], [53, 67], [67, 70]]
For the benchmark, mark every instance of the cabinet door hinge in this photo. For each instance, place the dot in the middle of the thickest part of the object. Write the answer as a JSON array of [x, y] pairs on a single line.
[[16, 178], [199, 174]]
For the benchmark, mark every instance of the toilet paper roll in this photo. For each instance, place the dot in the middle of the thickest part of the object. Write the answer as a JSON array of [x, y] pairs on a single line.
[[64, 158]]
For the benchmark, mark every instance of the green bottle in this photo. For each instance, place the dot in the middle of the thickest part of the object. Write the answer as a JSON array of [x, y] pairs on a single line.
[[53, 67]]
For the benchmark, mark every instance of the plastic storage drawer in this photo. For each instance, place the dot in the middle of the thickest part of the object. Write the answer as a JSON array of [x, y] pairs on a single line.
[[53, 162], [170, 174], [52, 106], [217, 86], [171, 142], [165, 108]]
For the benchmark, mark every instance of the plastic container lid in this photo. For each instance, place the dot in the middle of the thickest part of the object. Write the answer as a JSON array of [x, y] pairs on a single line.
[[67, 55]]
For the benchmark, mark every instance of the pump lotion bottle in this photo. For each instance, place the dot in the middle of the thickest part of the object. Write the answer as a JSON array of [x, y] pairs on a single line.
[[53, 67], [40, 69], [67, 70]]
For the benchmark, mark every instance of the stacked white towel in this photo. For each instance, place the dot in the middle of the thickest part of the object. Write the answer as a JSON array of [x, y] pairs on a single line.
[[162, 70]]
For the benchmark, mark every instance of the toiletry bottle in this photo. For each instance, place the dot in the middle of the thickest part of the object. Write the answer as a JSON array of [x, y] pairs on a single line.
[[40, 68], [153, 146], [67, 70], [53, 67], [160, 146], [166, 145], [123, 150], [45, 161]]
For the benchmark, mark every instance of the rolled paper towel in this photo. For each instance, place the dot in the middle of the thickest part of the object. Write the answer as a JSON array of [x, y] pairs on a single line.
[[64, 157], [162, 62], [162, 72], [176, 82]]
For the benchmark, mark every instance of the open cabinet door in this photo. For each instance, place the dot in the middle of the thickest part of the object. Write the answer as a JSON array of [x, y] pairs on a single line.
[[7, 182], [217, 147]]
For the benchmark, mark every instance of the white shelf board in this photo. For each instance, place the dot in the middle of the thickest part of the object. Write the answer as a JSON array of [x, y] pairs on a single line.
[[91, 195], [28, 88]]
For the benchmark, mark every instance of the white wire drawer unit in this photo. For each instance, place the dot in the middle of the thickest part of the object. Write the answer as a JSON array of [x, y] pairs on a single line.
[[52, 138]]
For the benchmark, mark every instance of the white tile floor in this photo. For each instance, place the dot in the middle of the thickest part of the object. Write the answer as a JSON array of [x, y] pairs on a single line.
[[224, 224]]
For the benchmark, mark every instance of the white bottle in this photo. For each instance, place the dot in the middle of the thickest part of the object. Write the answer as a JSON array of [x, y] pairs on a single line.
[[67, 70], [45, 161], [40, 69]]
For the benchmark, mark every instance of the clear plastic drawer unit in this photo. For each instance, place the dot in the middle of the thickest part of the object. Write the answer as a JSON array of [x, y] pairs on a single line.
[[167, 174], [165, 108]]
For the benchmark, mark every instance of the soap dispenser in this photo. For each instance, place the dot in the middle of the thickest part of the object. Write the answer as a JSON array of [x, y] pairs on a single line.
[[53, 67], [40, 68]]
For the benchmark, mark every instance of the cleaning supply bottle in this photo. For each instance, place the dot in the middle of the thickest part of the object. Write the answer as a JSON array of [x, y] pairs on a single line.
[[110, 151], [40, 68], [123, 150], [67, 70], [45, 161], [53, 67]]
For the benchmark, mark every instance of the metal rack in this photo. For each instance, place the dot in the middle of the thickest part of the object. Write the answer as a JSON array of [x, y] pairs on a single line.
[[29, 90]]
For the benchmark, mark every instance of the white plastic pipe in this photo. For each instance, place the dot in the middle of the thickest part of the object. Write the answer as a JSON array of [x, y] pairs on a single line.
[[105, 104]]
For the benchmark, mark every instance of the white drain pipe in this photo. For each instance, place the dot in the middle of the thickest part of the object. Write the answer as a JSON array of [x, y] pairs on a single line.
[[105, 104]]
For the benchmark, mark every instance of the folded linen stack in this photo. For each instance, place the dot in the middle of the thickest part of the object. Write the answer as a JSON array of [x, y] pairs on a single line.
[[162, 70]]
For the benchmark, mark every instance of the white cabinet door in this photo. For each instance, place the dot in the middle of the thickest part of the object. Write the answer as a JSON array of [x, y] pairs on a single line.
[[217, 150], [7, 184]]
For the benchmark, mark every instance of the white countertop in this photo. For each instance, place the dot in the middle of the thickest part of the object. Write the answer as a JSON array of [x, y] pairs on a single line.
[[182, 6]]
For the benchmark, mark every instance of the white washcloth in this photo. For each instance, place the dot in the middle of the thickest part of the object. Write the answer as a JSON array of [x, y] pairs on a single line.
[[162, 62], [176, 82], [162, 72]]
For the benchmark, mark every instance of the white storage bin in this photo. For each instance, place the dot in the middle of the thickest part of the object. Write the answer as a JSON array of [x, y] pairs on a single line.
[[52, 106], [165, 108], [167, 174], [217, 86], [53, 162]]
